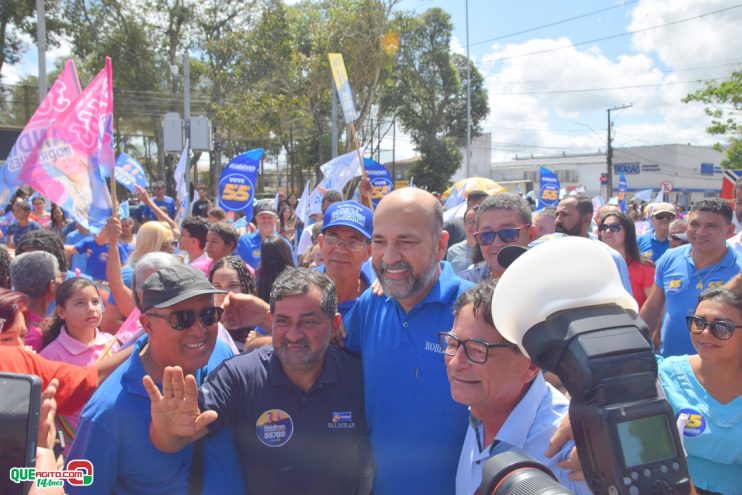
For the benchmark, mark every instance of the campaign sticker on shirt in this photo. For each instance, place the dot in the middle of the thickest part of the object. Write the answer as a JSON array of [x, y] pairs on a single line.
[[696, 423], [675, 285], [341, 420], [274, 428]]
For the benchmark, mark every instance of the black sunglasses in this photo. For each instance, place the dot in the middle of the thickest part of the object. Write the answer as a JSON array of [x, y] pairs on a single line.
[[612, 227], [664, 216], [721, 329], [506, 235], [185, 318]]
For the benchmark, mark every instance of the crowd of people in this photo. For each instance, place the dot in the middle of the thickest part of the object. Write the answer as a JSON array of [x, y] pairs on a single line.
[[355, 354]]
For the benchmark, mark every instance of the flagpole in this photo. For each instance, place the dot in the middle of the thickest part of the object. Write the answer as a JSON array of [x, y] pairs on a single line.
[[114, 200]]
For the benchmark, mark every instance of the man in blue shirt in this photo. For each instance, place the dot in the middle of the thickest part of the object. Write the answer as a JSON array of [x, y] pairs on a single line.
[[654, 243], [97, 250], [180, 319], [16, 231], [416, 428], [684, 272], [248, 245], [511, 405], [166, 203]]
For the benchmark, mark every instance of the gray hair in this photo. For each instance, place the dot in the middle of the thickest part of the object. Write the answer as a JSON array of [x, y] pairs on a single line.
[[31, 273], [509, 202], [298, 281], [146, 266]]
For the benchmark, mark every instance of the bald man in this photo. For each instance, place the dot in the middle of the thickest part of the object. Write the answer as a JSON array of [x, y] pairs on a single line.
[[416, 428]]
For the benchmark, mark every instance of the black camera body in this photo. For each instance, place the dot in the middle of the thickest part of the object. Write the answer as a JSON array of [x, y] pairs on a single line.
[[624, 430]]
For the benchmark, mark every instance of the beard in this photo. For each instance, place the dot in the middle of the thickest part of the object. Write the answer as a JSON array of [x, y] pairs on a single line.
[[303, 360], [412, 285], [574, 231]]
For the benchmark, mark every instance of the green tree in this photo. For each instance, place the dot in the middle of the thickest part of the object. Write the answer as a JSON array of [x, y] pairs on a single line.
[[725, 102], [426, 91]]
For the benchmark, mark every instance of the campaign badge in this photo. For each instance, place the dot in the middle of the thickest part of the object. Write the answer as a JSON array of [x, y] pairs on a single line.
[[696, 424], [274, 428]]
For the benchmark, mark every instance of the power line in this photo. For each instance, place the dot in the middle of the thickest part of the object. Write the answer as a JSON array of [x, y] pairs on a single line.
[[590, 90], [619, 35], [555, 23]]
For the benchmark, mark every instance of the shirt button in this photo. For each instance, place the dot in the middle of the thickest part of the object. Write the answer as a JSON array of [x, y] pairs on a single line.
[[405, 324]]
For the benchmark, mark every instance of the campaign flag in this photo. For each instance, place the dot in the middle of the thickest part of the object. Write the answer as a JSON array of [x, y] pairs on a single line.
[[64, 91], [66, 164], [302, 207], [597, 201], [181, 186], [130, 172], [342, 85], [337, 172], [622, 192], [237, 182], [381, 180], [124, 210], [548, 194], [412, 182], [644, 195]]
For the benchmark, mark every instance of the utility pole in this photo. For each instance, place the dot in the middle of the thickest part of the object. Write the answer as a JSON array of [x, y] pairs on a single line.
[[41, 43], [468, 95], [187, 121], [609, 153]]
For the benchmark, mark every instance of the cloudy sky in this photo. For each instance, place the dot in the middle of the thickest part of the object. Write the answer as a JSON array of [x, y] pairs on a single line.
[[553, 68]]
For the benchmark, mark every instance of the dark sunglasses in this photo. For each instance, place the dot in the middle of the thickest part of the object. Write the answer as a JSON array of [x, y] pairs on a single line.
[[506, 235], [612, 227], [664, 216], [721, 329], [185, 318]]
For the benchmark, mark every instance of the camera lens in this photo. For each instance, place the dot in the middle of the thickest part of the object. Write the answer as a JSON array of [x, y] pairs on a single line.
[[514, 473]]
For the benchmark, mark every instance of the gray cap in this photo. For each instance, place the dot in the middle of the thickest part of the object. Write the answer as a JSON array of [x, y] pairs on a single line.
[[174, 284]]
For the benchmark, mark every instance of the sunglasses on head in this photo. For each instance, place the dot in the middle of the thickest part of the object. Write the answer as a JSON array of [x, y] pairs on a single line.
[[721, 329], [610, 227], [185, 318], [506, 235]]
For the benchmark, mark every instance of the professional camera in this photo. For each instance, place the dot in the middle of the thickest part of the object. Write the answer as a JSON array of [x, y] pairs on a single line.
[[563, 304], [511, 472]]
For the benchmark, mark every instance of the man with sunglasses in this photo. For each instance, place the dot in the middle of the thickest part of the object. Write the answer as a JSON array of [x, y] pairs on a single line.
[[684, 272], [297, 407], [180, 320], [502, 219], [654, 243], [510, 404], [161, 200]]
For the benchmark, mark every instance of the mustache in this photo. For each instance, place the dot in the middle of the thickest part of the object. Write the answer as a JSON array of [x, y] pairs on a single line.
[[400, 265], [302, 341]]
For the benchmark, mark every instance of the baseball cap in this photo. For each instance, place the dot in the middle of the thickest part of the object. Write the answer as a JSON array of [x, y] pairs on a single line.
[[657, 208], [349, 214], [173, 284], [264, 206]]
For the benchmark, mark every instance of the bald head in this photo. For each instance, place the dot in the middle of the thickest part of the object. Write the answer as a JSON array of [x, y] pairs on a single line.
[[412, 201]]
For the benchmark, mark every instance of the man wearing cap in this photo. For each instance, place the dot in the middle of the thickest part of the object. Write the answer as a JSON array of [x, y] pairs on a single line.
[[297, 407], [180, 320], [654, 243], [248, 245], [345, 243]]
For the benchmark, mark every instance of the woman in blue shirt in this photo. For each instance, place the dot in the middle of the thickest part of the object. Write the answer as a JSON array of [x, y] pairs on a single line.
[[706, 390]]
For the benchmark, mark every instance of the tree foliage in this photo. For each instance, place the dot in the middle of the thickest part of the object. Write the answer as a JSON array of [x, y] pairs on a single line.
[[426, 91], [725, 103]]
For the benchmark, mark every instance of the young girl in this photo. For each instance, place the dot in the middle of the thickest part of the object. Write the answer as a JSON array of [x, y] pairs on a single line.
[[72, 335]]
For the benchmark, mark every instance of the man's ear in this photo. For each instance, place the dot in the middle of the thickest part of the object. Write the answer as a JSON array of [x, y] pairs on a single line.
[[442, 245], [337, 320], [146, 323]]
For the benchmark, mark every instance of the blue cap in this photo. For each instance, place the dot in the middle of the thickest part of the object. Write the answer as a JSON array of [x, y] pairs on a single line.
[[349, 214]]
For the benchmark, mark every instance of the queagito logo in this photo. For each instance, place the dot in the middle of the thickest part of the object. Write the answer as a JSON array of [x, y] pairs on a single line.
[[79, 472]]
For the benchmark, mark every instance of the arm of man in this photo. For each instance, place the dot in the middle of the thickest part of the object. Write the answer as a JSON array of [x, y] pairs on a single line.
[[161, 216], [176, 418], [652, 311], [245, 310], [121, 293]]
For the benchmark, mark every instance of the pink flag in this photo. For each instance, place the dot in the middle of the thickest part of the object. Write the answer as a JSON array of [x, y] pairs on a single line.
[[64, 91], [66, 163]]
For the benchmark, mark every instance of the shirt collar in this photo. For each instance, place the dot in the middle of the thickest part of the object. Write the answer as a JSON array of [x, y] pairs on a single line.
[[75, 347], [729, 258]]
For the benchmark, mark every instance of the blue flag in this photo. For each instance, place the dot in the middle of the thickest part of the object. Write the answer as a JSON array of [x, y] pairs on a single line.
[[548, 194], [622, 192], [129, 172], [381, 180], [237, 182]]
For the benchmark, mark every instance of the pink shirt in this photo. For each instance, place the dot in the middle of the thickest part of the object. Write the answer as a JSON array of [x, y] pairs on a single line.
[[33, 326], [203, 263]]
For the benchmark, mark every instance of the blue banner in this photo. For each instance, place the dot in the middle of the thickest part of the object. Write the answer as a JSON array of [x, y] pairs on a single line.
[[622, 192], [548, 194], [381, 180], [237, 182], [128, 172]]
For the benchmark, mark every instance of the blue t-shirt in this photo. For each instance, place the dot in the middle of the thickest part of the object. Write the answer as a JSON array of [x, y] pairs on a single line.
[[114, 435], [712, 434], [16, 231], [97, 257], [78, 261], [145, 212], [650, 247], [248, 248], [676, 275], [416, 427]]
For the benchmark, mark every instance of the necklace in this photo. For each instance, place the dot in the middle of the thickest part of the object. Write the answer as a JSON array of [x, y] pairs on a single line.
[[702, 280]]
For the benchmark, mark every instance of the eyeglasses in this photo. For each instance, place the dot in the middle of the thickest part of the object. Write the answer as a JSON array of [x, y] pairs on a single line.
[[664, 216], [721, 329], [351, 244], [676, 238], [477, 351], [185, 318], [506, 235], [612, 227]]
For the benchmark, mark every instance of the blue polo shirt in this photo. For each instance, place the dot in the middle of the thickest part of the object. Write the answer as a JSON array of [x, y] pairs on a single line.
[[97, 257], [114, 435], [292, 441], [676, 274], [416, 427], [650, 247], [145, 212], [248, 247]]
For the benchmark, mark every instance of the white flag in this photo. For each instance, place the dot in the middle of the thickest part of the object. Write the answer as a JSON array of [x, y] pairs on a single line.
[[337, 172], [181, 186], [302, 207]]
